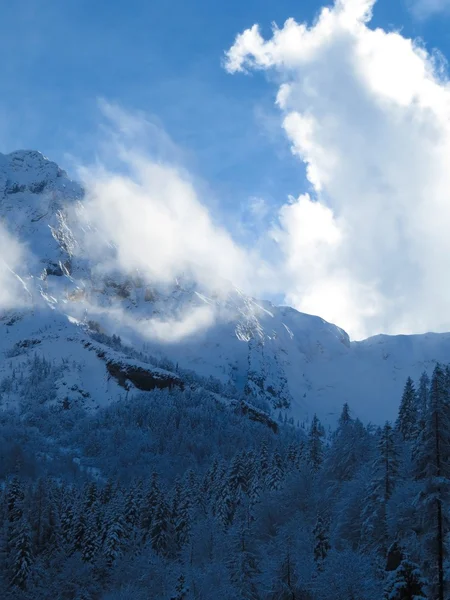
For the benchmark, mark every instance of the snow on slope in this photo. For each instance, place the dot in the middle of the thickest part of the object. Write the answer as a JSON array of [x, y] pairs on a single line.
[[292, 361]]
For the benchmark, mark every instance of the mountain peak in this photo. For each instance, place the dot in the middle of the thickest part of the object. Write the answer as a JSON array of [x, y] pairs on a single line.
[[29, 171], [28, 167]]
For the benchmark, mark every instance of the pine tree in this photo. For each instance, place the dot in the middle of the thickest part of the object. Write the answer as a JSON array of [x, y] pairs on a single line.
[[315, 444], [432, 468], [423, 399], [91, 539], [385, 473], [161, 531], [209, 484], [91, 495], [237, 477], [180, 515], [79, 531], [225, 508], [114, 539], [132, 511], [14, 499], [150, 503], [21, 555], [345, 417], [264, 463], [406, 583], [295, 455], [107, 492], [351, 444], [276, 473], [321, 543], [387, 464], [285, 585], [408, 416], [67, 522], [243, 567]]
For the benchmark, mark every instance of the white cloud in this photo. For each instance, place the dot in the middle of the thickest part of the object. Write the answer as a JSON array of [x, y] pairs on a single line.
[[368, 112], [423, 9], [144, 214]]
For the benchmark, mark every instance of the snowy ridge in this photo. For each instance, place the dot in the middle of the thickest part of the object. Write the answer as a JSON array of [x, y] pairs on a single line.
[[275, 357]]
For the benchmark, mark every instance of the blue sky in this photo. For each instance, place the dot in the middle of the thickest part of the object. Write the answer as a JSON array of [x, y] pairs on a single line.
[[163, 58], [372, 123]]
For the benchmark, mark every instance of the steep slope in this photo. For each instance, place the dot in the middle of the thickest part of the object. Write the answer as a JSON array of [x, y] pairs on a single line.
[[275, 356]]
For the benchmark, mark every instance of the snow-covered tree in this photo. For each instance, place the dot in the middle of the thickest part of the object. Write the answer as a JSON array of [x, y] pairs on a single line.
[[385, 474], [406, 583], [321, 542], [315, 444], [114, 540], [21, 555], [243, 567], [432, 469], [408, 416], [276, 472]]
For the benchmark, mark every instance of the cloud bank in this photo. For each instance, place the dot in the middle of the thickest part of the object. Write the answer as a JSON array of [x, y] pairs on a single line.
[[368, 113], [148, 217], [143, 214]]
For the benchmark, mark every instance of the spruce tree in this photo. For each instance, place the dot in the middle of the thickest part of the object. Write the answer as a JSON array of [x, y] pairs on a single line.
[[243, 567], [149, 505], [385, 473], [91, 539], [161, 531], [264, 462], [432, 469], [180, 515], [21, 555], [14, 499], [276, 472], [114, 540], [315, 444], [423, 398], [406, 583], [321, 542], [408, 416], [237, 477], [345, 417]]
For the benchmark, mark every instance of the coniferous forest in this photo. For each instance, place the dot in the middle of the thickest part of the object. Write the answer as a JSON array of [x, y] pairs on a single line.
[[173, 495]]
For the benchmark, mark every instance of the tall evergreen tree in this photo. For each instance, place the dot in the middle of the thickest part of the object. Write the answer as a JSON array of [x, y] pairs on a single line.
[[345, 417], [321, 542], [243, 567], [432, 469], [91, 539], [315, 444], [385, 474], [21, 556], [114, 539], [150, 502], [423, 398], [276, 472], [161, 531], [408, 416]]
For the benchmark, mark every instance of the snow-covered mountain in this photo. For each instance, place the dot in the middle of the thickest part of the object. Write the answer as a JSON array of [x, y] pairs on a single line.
[[70, 313]]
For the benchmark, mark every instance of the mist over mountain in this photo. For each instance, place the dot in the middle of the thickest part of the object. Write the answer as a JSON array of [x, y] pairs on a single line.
[[59, 290]]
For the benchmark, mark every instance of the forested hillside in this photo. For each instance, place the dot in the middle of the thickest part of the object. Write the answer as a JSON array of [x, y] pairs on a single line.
[[169, 495]]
